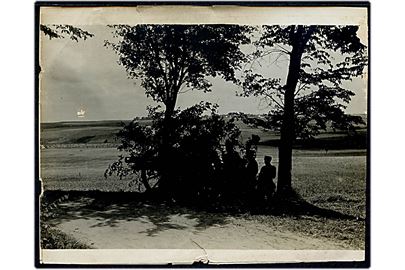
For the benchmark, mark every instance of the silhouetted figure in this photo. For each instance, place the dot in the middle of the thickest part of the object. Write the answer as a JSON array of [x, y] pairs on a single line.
[[252, 168], [265, 185], [234, 167]]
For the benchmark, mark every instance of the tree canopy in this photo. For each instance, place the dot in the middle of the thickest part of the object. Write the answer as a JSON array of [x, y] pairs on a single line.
[[330, 56], [169, 58]]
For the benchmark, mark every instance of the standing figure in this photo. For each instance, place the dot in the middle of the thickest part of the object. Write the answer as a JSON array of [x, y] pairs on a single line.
[[234, 167], [252, 168], [265, 185]]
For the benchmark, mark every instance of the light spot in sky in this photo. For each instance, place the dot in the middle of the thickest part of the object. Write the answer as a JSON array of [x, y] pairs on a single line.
[[81, 113]]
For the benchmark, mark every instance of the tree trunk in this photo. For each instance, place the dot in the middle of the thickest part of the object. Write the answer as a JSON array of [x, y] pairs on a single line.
[[144, 180], [165, 159], [287, 134]]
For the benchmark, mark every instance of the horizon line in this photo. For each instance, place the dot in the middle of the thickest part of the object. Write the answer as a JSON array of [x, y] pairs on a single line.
[[116, 120]]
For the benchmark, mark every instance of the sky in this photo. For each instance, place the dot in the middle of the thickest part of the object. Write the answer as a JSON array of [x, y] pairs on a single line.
[[85, 75]]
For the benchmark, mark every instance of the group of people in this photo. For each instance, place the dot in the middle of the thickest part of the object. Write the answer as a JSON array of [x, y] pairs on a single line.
[[262, 185], [245, 182]]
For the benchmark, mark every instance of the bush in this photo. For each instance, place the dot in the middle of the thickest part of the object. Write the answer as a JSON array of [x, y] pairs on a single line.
[[196, 152]]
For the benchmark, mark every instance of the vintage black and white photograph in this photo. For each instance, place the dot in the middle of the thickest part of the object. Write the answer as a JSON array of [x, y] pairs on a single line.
[[192, 135]]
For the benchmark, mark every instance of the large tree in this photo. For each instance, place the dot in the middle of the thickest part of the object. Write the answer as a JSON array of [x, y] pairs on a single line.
[[320, 59], [171, 59]]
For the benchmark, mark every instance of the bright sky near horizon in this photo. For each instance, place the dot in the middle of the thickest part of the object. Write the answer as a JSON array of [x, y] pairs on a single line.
[[85, 75]]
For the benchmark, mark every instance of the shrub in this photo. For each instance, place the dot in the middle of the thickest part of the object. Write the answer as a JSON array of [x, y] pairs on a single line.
[[196, 143]]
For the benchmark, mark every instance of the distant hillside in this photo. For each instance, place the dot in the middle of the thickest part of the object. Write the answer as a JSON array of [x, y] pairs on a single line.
[[81, 132], [363, 116], [76, 124], [103, 134]]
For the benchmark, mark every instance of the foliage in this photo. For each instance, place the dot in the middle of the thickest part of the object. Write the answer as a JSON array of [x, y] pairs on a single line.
[[169, 58], [52, 238], [330, 56], [62, 30], [195, 157]]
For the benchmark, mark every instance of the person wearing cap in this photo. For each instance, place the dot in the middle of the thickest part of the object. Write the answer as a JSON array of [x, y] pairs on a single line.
[[265, 185]]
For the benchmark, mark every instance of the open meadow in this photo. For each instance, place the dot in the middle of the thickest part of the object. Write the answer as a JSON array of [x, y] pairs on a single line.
[[74, 157], [333, 179]]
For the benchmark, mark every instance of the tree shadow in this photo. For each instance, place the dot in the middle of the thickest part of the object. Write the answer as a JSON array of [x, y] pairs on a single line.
[[112, 209], [292, 204]]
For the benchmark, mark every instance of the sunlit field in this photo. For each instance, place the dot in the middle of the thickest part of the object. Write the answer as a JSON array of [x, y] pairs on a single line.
[[334, 179]]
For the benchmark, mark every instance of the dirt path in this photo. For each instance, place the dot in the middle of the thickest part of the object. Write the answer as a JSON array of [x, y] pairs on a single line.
[[135, 226], [238, 235]]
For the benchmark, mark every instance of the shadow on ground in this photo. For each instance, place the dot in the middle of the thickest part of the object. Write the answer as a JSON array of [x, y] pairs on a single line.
[[109, 209], [294, 205]]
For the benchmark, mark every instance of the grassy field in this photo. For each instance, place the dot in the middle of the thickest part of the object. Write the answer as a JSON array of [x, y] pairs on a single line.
[[74, 156], [335, 179]]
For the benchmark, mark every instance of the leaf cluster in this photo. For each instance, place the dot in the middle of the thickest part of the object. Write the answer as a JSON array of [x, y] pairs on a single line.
[[168, 58], [62, 30]]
